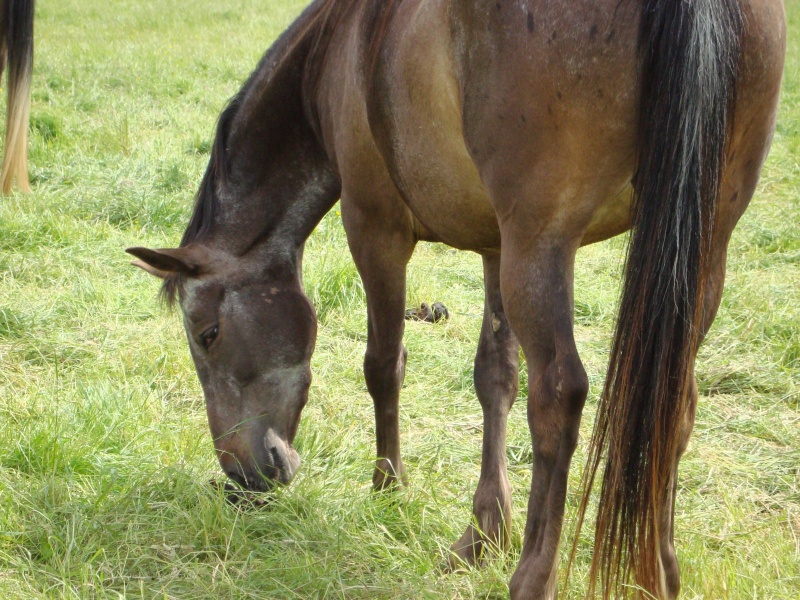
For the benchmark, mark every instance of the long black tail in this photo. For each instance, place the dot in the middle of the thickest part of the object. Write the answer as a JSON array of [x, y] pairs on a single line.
[[689, 53], [16, 45]]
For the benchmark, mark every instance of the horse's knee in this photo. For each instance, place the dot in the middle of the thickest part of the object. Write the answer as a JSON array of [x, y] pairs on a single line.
[[563, 384], [384, 372], [496, 369], [496, 382]]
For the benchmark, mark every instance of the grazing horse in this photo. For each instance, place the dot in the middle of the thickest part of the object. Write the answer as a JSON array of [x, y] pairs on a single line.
[[520, 130], [16, 49]]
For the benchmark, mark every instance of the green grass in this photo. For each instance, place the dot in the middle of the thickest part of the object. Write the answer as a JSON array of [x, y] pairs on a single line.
[[105, 456]]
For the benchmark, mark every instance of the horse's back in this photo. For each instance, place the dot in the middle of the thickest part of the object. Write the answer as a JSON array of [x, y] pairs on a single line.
[[491, 111]]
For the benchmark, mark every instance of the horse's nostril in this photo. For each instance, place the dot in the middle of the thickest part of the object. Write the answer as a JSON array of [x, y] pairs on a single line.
[[277, 459], [280, 461]]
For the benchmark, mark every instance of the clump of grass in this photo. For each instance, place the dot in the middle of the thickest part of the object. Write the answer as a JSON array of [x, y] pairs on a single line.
[[47, 126], [199, 146]]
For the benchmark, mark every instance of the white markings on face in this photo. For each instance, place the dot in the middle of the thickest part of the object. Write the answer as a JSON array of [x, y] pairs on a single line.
[[234, 307], [285, 381]]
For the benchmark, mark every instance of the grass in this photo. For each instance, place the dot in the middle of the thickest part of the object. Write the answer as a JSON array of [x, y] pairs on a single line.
[[105, 456]]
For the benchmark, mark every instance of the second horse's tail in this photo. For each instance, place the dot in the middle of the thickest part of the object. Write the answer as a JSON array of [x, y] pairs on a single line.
[[16, 45]]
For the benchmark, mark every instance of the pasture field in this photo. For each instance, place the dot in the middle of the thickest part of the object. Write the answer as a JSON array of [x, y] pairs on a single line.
[[105, 457]]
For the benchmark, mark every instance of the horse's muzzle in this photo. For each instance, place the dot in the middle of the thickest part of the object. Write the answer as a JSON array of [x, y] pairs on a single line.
[[275, 462]]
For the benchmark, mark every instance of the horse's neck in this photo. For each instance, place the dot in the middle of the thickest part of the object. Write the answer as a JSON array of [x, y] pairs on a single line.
[[279, 182]]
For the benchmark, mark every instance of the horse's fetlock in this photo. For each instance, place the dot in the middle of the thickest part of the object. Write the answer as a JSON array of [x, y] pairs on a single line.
[[492, 505]]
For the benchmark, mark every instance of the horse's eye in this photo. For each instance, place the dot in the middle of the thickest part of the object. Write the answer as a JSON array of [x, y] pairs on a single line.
[[208, 336]]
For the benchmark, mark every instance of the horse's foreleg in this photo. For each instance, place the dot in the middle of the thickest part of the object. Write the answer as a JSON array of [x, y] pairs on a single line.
[[496, 384], [381, 248], [537, 293]]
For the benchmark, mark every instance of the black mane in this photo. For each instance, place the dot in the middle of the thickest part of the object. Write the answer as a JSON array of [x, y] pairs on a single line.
[[206, 202], [315, 22]]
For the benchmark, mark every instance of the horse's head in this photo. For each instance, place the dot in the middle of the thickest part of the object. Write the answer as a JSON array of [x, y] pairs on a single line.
[[251, 334]]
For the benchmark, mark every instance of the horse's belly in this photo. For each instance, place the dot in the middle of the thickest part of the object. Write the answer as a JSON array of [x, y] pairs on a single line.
[[610, 218], [441, 186]]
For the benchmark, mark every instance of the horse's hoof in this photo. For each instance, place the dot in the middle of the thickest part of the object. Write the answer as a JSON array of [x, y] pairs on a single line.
[[386, 478], [467, 552]]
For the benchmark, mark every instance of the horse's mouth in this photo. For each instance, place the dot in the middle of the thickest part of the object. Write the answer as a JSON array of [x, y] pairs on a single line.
[[242, 497]]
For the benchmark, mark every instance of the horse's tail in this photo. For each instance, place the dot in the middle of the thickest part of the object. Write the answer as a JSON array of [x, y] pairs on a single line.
[[689, 54], [16, 45]]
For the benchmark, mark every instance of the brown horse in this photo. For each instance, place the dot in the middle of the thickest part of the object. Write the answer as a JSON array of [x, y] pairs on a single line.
[[521, 130], [16, 49]]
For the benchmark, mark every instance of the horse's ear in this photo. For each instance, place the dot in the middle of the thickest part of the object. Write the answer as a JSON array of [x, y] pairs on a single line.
[[190, 260], [148, 269]]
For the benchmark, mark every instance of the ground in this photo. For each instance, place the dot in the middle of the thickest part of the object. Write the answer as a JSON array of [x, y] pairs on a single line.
[[105, 457]]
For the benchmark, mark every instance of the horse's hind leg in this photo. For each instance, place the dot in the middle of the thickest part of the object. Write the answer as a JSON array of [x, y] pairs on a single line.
[[745, 158], [669, 560], [536, 280], [496, 384], [381, 242], [753, 128]]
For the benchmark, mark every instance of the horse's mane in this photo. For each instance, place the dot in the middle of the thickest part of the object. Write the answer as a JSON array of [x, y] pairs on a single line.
[[314, 25]]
